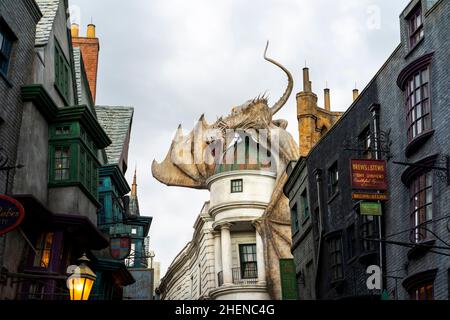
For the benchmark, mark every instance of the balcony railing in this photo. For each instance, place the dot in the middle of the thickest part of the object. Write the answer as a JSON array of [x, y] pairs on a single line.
[[239, 277], [249, 276]]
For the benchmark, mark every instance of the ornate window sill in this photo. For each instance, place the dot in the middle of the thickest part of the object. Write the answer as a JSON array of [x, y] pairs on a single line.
[[415, 144]]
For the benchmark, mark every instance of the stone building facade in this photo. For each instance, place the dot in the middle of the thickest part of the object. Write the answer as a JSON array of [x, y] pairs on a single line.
[[18, 20], [303, 235], [400, 117], [313, 121]]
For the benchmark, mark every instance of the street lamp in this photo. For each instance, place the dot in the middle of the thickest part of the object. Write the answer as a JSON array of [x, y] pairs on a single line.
[[81, 280]]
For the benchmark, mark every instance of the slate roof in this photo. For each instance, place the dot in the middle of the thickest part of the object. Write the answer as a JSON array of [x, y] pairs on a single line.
[[77, 62], [44, 27], [116, 122]]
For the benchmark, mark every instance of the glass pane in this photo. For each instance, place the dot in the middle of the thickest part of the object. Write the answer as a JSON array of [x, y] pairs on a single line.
[[417, 80], [429, 212], [418, 96], [425, 76]]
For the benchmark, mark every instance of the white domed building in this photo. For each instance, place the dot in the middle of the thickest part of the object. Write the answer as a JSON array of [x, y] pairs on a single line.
[[226, 257]]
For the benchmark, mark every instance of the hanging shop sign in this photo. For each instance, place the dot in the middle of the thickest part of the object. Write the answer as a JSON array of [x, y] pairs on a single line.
[[368, 174], [12, 214], [120, 247], [370, 196], [370, 208]]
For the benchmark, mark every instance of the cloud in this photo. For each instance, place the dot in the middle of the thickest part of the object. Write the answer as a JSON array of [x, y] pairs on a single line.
[[174, 60]]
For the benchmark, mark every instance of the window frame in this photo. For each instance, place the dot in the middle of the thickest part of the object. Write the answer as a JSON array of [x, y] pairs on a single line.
[[365, 139], [333, 179], [418, 103], [305, 205], [253, 272], [62, 72], [237, 186], [419, 204], [68, 160], [295, 223], [6, 47], [336, 258], [42, 250], [422, 291], [415, 31]]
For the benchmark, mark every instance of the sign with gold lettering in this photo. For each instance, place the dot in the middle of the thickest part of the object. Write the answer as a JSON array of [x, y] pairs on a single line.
[[11, 214], [370, 196], [368, 174]]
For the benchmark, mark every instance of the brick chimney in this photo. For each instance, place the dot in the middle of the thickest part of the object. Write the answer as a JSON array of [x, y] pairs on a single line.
[[90, 47]]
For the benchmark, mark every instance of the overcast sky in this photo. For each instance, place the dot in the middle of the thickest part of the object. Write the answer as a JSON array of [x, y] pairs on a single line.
[[175, 59]]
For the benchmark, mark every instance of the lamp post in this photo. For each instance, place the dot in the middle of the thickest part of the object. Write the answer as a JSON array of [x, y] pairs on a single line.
[[81, 280]]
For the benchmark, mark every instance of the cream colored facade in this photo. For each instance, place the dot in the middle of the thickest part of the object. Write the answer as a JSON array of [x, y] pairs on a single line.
[[209, 267]]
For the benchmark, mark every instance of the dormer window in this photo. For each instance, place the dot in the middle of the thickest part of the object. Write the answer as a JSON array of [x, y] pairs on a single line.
[[415, 24]]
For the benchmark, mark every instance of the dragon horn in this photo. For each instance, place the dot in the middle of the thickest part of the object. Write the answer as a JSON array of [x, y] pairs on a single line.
[[277, 106]]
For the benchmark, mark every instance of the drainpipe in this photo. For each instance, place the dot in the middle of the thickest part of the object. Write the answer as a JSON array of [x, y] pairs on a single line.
[[318, 177], [375, 110]]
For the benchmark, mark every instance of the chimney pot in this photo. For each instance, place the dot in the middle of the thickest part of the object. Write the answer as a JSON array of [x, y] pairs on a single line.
[[306, 82], [355, 94], [75, 30], [327, 99], [91, 30]]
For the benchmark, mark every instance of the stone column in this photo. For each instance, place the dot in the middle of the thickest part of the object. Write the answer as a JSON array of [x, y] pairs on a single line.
[[260, 259], [226, 254], [217, 256]]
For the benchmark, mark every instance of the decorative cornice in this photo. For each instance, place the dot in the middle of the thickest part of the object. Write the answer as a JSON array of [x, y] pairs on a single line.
[[413, 67], [228, 174], [117, 176], [46, 105], [413, 171], [213, 211], [294, 176], [234, 288], [419, 279]]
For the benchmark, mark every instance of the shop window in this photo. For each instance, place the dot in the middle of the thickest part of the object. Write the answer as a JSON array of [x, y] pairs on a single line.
[[367, 232], [422, 292], [43, 250]]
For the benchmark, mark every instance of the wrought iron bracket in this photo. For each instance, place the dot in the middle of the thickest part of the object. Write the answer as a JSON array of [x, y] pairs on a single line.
[[383, 143], [441, 168]]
